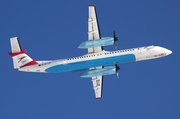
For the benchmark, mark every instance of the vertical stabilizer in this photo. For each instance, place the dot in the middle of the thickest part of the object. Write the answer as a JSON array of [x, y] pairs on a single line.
[[20, 58]]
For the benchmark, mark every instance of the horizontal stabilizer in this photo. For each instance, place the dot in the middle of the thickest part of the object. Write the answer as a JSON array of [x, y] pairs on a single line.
[[15, 46]]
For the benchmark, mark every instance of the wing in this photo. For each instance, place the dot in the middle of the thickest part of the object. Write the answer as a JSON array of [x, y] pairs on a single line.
[[97, 85], [94, 34], [93, 29]]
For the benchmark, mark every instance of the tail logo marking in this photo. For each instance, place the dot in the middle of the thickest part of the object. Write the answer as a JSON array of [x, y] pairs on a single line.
[[21, 58]]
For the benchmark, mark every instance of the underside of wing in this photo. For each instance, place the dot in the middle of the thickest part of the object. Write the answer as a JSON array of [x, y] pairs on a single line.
[[97, 86], [94, 34], [93, 29]]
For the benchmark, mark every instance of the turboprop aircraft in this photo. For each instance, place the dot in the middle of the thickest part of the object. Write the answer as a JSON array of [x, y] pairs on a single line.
[[95, 63]]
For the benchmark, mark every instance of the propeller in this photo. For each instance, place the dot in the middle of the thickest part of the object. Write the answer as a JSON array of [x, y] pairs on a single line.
[[117, 68], [115, 39]]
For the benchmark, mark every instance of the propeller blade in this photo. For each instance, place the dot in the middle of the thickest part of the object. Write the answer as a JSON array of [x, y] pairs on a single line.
[[117, 68], [115, 39], [117, 73], [115, 44], [114, 34]]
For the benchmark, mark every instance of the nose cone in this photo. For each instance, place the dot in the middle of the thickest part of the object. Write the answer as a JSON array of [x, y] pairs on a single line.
[[168, 52]]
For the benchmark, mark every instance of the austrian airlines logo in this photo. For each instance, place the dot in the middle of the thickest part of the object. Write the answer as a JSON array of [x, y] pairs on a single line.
[[21, 58]]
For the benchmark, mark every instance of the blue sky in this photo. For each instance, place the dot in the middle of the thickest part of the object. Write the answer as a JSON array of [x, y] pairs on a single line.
[[52, 30]]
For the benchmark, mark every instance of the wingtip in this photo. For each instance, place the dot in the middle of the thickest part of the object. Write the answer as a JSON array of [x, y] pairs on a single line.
[[91, 5], [98, 97]]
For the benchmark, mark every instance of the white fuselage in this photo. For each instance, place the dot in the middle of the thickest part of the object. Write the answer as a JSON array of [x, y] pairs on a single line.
[[103, 58]]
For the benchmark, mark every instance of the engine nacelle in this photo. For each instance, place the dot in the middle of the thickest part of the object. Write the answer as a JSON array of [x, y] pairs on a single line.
[[96, 43], [99, 72]]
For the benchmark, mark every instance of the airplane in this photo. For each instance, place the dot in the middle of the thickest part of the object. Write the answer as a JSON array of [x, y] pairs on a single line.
[[96, 64]]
